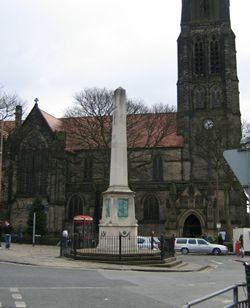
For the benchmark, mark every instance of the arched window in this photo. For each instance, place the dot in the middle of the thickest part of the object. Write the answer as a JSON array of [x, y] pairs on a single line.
[[215, 97], [214, 56], [199, 62], [32, 170], [157, 168], [151, 209], [199, 98], [75, 206]]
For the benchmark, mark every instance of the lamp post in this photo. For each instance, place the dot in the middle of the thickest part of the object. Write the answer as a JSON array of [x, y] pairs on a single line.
[[2, 132]]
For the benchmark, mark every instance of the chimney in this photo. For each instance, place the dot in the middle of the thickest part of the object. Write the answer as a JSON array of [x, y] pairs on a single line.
[[18, 114]]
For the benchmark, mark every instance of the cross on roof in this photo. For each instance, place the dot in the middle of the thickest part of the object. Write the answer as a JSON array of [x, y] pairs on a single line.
[[36, 100]]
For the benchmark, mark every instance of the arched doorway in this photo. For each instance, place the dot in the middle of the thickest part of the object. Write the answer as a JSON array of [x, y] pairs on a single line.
[[192, 227]]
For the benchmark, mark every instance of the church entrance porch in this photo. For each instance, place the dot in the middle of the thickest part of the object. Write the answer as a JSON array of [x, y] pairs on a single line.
[[192, 227]]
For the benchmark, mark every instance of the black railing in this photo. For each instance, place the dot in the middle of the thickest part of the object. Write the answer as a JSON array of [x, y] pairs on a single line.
[[122, 247], [236, 301]]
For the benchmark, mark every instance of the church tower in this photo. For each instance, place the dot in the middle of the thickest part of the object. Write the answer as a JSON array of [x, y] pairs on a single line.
[[207, 87]]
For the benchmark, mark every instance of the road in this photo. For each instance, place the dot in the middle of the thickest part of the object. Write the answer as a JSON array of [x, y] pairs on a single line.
[[37, 287]]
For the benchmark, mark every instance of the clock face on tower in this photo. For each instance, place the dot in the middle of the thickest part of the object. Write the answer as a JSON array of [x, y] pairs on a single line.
[[208, 124]]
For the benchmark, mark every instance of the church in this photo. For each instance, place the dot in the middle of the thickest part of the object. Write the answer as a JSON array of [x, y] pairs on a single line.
[[182, 184]]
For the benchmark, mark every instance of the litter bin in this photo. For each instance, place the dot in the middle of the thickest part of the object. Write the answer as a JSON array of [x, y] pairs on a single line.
[[247, 270]]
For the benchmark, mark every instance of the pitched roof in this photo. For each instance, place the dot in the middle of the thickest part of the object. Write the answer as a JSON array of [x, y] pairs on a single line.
[[54, 123], [143, 130]]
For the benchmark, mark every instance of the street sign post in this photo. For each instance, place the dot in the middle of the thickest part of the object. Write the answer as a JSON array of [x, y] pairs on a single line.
[[239, 161]]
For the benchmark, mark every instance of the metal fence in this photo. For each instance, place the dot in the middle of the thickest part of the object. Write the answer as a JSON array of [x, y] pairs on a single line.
[[121, 248], [236, 302]]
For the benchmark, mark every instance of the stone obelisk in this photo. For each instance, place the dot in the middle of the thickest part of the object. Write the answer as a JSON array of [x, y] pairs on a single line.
[[118, 211]]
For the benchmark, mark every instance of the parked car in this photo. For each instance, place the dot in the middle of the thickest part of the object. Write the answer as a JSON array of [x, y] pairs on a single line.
[[145, 242], [198, 245]]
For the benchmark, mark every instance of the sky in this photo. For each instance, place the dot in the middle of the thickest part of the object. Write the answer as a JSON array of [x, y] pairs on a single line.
[[52, 49]]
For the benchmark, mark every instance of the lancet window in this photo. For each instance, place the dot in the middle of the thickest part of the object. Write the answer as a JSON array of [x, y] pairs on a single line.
[[151, 209], [32, 175], [214, 56], [157, 169], [88, 168], [199, 98], [199, 65], [75, 207]]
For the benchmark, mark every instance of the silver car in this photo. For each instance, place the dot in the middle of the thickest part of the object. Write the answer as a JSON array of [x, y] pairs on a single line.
[[186, 245], [145, 242]]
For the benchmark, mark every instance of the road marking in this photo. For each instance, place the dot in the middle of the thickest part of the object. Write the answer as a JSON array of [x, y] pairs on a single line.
[[20, 304], [1, 305], [63, 288], [195, 284], [16, 296], [227, 301], [216, 262]]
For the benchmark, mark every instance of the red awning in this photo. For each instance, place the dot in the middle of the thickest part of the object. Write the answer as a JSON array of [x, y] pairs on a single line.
[[83, 218]]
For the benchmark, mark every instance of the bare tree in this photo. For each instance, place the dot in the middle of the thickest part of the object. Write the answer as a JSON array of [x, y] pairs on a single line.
[[209, 146], [8, 103], [89, 124], [245, 127]]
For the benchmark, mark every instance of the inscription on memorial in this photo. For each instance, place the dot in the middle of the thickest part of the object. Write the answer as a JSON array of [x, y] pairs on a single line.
[[122, 207]]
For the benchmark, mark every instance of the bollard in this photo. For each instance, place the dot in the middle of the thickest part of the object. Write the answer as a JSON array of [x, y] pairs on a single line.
[[247, 271], [61, 247], [162, 247], [120, 247], [75, 245]]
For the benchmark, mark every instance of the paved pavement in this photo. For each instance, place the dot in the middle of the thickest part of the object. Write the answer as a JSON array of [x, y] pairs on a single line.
[[41, 255]]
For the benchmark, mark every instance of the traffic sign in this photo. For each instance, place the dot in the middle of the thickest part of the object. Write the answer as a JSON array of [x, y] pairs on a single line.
[[239, 161]]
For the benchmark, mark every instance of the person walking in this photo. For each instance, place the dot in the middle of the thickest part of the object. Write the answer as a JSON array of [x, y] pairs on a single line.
[[0, 235], [220, 239], [7, 230], [242, 251], [65, 238]]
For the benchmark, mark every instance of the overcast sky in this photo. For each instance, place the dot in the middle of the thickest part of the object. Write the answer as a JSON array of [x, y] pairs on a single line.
[[51, 49]]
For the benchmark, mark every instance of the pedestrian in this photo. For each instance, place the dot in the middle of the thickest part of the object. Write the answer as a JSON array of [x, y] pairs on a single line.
[[65, 237], [205, 237], [0, 235], [242, 251], [173, 244], [7, 230], [220, 239]]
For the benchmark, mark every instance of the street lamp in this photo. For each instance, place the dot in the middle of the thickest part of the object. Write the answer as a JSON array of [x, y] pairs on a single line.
[[218, 225], [1, 154], [2, 132]]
